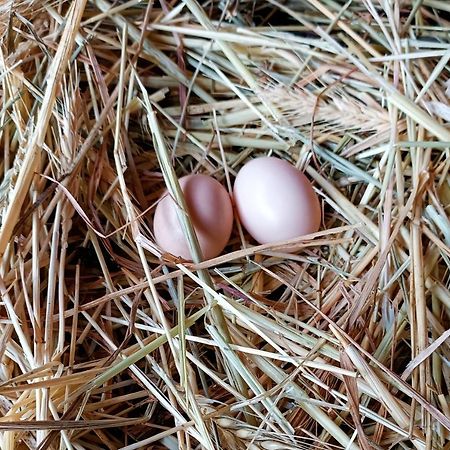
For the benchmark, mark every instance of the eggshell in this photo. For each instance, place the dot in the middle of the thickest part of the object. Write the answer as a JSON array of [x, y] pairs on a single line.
[[275, 201], [210, 210]]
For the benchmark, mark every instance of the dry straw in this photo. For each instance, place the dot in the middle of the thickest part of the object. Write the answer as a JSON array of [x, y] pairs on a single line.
[[335, 340]]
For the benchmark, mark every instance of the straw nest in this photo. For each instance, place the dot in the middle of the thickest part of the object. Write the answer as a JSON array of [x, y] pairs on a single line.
[[107, 342]]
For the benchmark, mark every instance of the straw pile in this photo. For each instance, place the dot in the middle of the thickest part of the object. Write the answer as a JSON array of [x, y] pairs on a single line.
[[107, 342]]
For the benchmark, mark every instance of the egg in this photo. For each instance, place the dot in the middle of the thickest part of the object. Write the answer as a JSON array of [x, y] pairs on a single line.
[[275, 201], [210, 210]]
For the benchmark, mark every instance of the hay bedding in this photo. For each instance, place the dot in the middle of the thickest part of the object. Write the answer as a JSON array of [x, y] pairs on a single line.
[[108, 343]]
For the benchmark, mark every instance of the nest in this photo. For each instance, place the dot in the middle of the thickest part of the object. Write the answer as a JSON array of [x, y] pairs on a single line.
[[107, 341]]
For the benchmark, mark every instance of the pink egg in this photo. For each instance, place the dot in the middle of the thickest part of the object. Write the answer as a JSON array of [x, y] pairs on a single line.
[[275, 201], [210, 210]]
